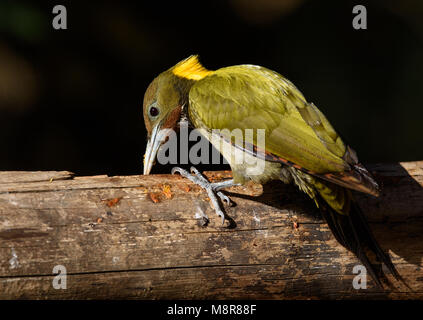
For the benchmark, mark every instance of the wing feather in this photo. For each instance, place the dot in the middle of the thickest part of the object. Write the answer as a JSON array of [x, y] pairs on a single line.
[[296, 132]]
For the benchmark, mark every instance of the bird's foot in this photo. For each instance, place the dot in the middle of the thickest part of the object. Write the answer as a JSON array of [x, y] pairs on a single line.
[[213, 189]]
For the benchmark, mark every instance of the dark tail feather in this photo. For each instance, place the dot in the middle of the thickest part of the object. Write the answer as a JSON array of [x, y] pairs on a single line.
[[353, 232]]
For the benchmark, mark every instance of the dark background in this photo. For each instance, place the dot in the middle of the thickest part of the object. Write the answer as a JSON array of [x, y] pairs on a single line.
[[72, 99]]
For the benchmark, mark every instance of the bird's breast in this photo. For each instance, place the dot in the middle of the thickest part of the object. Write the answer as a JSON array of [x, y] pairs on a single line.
[[245, 166]]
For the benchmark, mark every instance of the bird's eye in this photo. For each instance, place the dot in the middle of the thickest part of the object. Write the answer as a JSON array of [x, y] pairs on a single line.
[[154, 111]]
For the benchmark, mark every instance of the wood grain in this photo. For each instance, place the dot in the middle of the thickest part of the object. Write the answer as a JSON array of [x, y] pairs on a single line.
[[128, 237]]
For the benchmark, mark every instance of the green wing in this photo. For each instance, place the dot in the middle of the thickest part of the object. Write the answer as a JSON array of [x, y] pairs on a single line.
[[250, 97], [253, 97]]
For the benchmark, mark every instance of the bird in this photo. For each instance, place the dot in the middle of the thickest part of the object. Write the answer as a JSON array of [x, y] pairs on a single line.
[[301, 146]]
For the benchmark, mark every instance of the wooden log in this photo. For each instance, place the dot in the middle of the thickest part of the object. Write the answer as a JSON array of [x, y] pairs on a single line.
[[138, 237]]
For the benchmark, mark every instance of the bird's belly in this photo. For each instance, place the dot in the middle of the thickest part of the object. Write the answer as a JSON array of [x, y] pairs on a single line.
[[245, 166]]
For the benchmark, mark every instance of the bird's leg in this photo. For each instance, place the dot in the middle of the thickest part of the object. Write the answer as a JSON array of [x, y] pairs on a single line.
[[212, 189]]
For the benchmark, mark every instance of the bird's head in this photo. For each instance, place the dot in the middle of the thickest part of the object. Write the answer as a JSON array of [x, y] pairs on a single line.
[[164, 100], [162, 112]]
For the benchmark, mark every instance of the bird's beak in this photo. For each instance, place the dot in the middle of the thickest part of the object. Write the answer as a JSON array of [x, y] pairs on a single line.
[[158, 137]]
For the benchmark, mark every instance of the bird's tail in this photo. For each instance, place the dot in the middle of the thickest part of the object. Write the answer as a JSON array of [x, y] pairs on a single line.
[[350, 228]]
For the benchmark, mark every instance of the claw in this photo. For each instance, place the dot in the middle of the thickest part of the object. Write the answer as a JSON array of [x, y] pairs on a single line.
[[224, 198], [223, 217], [195, 171], [179, 170], [199, 175], [211, 188]]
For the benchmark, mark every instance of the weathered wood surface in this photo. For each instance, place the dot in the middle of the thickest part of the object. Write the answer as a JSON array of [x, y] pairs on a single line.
[[116, 242]]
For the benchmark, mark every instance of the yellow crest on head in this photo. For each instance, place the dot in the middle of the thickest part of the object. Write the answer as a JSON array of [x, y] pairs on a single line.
[[191, 68]]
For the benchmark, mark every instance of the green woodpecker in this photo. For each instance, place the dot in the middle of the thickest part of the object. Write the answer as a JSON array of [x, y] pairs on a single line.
[[301, 146]]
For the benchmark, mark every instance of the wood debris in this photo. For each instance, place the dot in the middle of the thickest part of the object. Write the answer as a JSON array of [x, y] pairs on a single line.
[[166, 191], [112, 202], [154, 197]]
